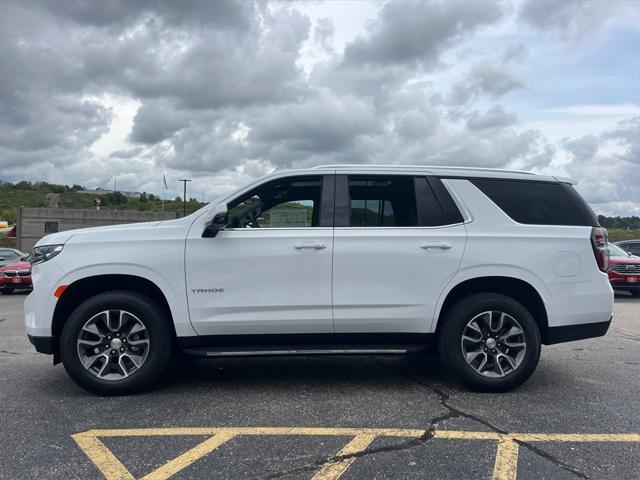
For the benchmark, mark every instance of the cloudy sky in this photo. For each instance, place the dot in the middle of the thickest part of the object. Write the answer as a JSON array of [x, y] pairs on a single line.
[[223, 92]]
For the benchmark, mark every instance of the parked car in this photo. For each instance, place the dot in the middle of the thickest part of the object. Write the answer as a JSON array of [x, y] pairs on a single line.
[[16, 276], [631, 246], [624, 270], [486, 265], [10, 255]]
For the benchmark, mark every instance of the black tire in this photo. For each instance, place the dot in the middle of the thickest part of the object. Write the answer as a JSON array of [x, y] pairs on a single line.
[[160, 337], [635, 292], [450, 337], [6, 290]]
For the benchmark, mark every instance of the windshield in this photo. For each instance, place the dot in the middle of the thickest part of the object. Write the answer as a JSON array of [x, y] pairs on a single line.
[[616, 251]]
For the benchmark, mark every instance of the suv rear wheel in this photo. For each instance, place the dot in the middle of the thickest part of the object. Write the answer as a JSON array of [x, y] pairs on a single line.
[[116, 343], [490, 342]]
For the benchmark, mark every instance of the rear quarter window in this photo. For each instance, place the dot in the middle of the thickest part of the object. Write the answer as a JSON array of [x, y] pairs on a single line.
[[538, 203]]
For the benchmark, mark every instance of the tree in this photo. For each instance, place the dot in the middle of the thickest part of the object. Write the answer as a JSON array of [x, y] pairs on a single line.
[[177, 199]]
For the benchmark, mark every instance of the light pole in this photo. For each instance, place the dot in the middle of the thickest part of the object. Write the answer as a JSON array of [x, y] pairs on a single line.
[[184, 197]]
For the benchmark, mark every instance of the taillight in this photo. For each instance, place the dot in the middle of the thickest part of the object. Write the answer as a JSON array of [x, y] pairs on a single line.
[[599, 239]]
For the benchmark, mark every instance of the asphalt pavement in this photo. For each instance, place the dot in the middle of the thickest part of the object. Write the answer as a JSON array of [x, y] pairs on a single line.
[[327, 417]]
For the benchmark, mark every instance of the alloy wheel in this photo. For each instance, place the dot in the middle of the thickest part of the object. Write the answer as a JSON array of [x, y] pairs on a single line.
[[493, 344], [113, 344]]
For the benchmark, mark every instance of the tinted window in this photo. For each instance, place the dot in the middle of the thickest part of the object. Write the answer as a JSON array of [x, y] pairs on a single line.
[[9, 254], [435, 205], [287, 203], [50, 227], [632, 247], [538, 203], [380, 201]]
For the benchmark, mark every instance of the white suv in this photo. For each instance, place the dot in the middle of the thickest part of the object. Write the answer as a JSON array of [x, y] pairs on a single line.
[[487, 265]]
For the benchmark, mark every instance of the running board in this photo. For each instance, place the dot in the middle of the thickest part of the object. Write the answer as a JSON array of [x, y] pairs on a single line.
[[279, 352]]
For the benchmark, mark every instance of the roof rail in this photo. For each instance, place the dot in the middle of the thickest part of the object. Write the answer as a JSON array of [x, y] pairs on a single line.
[[418, 167]]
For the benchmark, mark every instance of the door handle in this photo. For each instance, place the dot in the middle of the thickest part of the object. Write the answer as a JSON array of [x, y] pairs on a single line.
[[434, 245], [316, 245]]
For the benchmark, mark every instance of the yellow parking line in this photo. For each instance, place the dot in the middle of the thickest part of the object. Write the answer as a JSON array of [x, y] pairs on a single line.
[[461, 435], [576, 437], [174, 466], [102, 458], [350, 432], [506, 465], [333, 469]]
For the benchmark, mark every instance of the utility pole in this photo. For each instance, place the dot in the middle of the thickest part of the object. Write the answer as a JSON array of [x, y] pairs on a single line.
[[184, 197]]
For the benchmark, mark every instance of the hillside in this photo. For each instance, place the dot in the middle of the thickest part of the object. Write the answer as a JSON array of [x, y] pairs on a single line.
[[27, 194]]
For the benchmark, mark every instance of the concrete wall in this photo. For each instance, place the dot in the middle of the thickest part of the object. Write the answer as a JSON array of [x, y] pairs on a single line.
[[31, 221]]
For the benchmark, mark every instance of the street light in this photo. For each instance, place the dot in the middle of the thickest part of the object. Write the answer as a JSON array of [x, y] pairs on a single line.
[[184, 197]]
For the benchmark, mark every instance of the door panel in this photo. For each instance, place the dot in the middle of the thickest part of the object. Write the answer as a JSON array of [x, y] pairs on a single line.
[[273, 280], [269, 271], [389, 279]]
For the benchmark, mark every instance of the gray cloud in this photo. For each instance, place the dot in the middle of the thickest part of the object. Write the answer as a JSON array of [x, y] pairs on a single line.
[[495, 117], [417, 32], [608, 177], [221, 13], [155, 122], [485, 78], [575, 18]]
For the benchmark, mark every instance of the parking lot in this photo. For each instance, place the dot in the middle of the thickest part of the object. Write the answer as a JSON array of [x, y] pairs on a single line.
[[327, 417]]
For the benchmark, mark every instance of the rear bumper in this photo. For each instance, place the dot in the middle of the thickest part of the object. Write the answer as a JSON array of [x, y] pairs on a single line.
[[42, 344], [570, 333]]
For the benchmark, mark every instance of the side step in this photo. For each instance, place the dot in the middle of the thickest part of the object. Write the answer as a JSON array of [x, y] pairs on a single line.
[[262, 351]]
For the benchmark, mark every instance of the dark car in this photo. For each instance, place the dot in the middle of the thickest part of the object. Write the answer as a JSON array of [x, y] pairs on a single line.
[[624, 270], [16, 276], [631, 246]]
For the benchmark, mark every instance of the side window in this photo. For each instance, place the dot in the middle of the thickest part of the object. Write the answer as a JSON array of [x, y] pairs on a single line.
[[435, 205], [634, 248], [538, 203], [382, 201], [286, 203]]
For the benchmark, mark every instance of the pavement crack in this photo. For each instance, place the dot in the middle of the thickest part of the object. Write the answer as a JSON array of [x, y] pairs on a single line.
[[628, 335], [555, 460], [443, 399], [11, 353], [453, 412], [406, 445]]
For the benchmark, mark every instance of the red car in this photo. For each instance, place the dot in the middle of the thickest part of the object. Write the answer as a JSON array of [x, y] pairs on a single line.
[[624, 270], [15, 276]]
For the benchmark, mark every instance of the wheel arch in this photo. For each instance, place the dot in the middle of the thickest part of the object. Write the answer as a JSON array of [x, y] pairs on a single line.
[[86, 287], [516, 288]]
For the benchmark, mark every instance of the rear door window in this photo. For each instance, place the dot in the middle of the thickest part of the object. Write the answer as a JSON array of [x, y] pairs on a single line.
[[382, 201], [538, 203]]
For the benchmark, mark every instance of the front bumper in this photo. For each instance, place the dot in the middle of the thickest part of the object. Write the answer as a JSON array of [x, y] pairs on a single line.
[[570, 333], [16, 286], [42, 344]]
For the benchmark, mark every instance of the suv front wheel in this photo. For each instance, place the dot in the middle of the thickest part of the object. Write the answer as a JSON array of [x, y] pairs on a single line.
[[116, 343], [490, 342]]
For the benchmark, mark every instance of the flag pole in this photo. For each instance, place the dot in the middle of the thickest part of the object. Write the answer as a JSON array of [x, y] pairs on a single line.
[[164, 189]]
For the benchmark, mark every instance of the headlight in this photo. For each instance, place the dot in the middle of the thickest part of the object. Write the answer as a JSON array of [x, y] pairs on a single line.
[[45, 253]]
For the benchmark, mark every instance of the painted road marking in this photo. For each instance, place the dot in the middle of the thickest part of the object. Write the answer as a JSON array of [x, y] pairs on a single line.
[[505, 466], [334, 468]]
